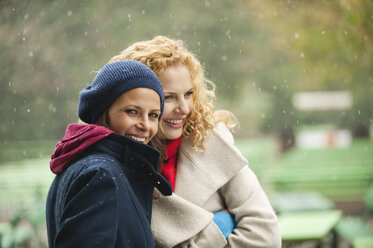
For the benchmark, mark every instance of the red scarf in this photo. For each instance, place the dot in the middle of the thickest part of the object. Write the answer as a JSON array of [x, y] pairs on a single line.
[[169, 164], [78, 137]]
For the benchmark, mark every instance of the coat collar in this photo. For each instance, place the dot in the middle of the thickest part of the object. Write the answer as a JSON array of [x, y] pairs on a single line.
[[140, 157], [200, 174], [121, 147]]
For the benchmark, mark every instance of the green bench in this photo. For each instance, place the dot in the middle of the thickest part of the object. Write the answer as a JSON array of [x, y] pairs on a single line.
[[345, 181], [355, 230], [284, 202], [304, 226], [305, 217], [340, 174], [363, 242]]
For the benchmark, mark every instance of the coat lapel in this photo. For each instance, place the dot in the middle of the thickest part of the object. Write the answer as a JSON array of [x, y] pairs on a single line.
[[200, 174], [174, 220]]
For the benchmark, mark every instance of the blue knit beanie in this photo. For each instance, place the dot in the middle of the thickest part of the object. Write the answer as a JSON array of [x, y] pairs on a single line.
[[111, 82]]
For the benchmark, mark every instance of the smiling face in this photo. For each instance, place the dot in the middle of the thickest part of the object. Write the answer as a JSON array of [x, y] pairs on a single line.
[[135, 114], [178, 90]]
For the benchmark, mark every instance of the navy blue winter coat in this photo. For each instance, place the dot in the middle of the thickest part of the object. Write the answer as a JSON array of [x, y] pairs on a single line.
[[104, 198]]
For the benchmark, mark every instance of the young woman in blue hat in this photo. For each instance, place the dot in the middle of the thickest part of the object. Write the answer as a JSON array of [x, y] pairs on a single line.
[[217, 200], [105, 171]]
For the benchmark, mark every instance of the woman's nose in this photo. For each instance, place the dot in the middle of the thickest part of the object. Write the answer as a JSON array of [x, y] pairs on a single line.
[[183, 107], [143, 123]]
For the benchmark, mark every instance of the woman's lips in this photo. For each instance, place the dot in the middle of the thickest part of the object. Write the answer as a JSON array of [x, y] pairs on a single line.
[[136, 138], [175, 123]]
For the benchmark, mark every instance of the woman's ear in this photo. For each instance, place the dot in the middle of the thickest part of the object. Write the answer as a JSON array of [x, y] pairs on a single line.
[[103, 120]]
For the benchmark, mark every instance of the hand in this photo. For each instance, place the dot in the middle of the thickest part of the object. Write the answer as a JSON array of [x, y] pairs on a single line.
[[224, 220]]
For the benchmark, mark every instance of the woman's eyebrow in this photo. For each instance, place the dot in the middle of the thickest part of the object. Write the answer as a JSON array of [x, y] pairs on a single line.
[[174, 93], [131, 106], [139, 108]]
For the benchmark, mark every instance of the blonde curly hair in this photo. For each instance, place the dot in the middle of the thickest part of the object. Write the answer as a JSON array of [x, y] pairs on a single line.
[[162, 52]]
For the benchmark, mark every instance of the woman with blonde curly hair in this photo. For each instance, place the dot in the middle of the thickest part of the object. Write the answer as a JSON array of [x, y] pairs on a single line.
[[217, 200]]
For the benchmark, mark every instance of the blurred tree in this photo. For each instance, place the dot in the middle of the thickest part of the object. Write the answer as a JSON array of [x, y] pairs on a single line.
[[257, 52], [49, 49], [318, 46], [333, 43]]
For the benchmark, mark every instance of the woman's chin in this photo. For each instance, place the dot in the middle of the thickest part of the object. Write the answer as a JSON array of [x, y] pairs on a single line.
[[171, 134]]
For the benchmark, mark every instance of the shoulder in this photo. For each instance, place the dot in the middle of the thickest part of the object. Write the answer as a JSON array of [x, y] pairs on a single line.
[[219, 143], [221, 130], [221, 159], [84, 179], [95, 162], [220, 139], [211, 168], [91, 170]]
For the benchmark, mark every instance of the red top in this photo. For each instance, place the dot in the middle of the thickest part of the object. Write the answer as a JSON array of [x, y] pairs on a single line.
[[169, 164]]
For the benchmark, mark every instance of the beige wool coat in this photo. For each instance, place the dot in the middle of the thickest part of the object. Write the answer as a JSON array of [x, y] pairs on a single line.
[[210, 181]]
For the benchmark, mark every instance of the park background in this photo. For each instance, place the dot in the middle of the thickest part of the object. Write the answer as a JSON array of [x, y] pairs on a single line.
[[260, 55]]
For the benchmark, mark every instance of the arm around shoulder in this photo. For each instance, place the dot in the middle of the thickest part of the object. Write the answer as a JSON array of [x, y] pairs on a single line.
[[177, 222], [210, 236], [256, 221]]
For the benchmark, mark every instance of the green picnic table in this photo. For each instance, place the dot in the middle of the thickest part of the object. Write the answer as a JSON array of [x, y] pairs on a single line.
[[308, 225], [300, 201]]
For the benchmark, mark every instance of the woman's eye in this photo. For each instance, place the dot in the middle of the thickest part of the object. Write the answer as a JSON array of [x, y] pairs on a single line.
[[189, 93], [168, 97], [131, 111], [154, 115]]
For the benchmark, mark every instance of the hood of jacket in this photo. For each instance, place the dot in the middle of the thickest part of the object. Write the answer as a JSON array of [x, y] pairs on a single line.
[[78, 137]]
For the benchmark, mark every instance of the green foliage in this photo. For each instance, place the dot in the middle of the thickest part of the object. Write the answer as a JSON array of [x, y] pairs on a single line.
[[26, 226], [25, 149], [51, 48], [323, 46], [15, 237], [20, 180], [257, 52]]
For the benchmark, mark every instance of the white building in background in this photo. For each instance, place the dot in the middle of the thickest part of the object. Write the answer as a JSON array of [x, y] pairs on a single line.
[[323, 101], [315, 139]]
